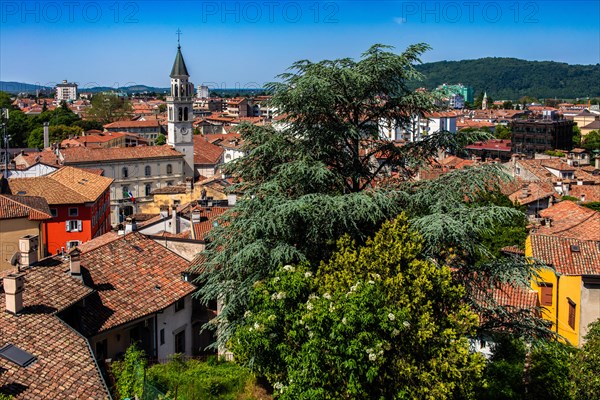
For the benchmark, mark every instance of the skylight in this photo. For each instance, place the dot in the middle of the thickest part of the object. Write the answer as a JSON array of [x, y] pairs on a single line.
[[17, 355]]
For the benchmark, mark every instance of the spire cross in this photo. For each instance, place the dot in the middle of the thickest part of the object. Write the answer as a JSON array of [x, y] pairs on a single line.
[[178, 36]]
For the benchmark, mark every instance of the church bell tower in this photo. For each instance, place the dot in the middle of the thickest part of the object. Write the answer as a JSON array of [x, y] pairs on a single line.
[[180, 113]]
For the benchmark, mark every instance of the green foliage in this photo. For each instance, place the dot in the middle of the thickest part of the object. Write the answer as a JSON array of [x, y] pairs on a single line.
[[160, 139], [129, 373], [593, 205], [508, 105], [5, 101], [6, 396], [554, 153], [570, 198], [586, 366], [576, 136], [502, 132], [504, 370], [57, 133], [591, 141], [377, 321], [88, 125], [109, 107], [510, 78], [306, 185], [192, 379], [550, 372]]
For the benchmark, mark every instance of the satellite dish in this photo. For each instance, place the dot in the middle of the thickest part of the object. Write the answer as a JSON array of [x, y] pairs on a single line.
[[15, 259]]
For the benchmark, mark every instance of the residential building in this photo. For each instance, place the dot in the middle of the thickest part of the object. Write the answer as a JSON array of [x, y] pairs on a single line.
[[20, 216], [592, 126], [180, 114], [105, 139], [569, 292], [537, 136], [141, 295], [585, 118], [207, 157], [66, 91], [79, 203], [467, 93], [138, 170], [493, 149], [41, 357]]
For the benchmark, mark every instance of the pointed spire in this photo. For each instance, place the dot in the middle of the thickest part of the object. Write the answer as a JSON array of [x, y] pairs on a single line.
[[179, 68]]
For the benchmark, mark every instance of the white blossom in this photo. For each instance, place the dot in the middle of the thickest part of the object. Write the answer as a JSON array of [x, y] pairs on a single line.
[[406, 324], [372, 357], [376, 276], [371, 282], [276, 279], [395, 332], [312, 296], [247, 314], [307, 274], [309, 305], [278, 385], [280, 295], [331, 308], [256, 325], [327, 296], [289, 268], [344, 321], [391, 317]]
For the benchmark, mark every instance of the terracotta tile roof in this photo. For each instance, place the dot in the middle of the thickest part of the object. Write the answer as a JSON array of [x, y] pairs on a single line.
[[492, 144], [133, 124], [65, 367], [32, 207], [567, 219], [205, 152], [98, 241], [170, 190], [590, 192], [67, 185], [569, 256], [594, 125], [45, 157], [84, 154], [511, 296], [515, 250], [147, 280], [207, 217], [531, 192]]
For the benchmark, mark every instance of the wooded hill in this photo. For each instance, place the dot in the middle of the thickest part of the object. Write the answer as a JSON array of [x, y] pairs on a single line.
[[511, 78]]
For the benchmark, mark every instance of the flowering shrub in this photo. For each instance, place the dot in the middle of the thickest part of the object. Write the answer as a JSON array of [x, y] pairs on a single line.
[[376, 321]]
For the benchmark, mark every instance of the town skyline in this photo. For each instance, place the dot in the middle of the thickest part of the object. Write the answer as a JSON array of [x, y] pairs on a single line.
[[237, 45]]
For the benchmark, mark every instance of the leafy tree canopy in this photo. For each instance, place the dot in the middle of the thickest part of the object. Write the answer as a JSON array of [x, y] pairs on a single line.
[[109, 107], [591, 141], [378, 321], [325, 171]]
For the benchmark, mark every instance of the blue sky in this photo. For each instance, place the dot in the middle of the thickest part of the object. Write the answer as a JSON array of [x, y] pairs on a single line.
[[247, 43]]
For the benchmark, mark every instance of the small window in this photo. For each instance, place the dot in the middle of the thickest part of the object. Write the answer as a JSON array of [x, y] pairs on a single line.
[[179, 305], [572, 310], [72, 243], [148, 189], [74, 225], [124, 172], [147, 170], [54, 212], [73, 212], [546, 299], [169, 169], [180, 342], [162, 337]]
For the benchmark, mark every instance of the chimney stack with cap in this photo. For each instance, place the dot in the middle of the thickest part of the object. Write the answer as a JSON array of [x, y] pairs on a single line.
[[13, 288], [75, 262], [130, 225], [28, 247], [46, 135]]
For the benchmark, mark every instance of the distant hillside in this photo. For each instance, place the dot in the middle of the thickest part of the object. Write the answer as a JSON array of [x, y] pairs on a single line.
[[511, 78]]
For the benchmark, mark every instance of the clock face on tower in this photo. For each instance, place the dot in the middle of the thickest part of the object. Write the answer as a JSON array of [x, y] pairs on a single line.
[[183, 130]]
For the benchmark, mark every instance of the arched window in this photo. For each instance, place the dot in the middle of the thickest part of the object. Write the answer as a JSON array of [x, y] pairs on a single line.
[[180, 114], [147, 170], [185, 114], [170, 114], [169, 169], [124, 172], [176, 91], [148, 189]]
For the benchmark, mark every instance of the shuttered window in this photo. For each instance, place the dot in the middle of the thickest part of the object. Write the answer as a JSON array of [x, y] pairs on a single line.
[[572, 309], [546, 299]]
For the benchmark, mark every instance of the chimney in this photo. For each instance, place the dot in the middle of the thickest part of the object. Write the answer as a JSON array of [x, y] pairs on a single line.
[[28, 247], [130, 225], [188, 184], [13, 288], [75, 262], [46, 135], [174, 220], [231, 199], [196, 215], [164, 211]]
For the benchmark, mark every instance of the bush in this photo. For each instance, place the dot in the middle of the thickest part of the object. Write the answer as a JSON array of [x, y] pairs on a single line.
[[549, 372]]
